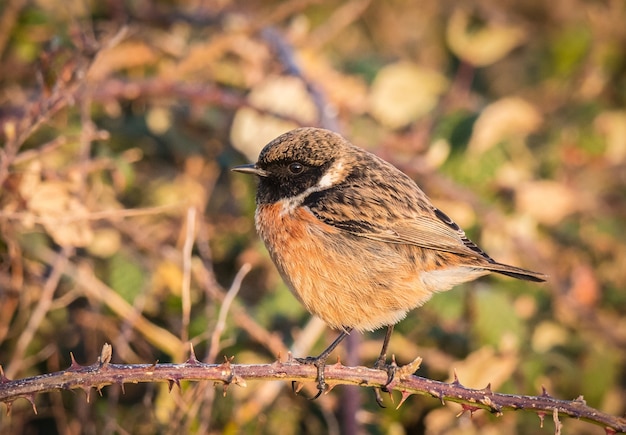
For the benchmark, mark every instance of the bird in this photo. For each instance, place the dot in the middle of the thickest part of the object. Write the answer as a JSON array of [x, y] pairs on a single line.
[[355, 239]]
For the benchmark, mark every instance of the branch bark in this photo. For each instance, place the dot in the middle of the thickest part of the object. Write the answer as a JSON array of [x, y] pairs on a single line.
[[104, 373]]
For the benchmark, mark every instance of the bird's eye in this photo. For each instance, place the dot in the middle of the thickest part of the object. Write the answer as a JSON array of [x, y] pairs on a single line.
[[296, 168]]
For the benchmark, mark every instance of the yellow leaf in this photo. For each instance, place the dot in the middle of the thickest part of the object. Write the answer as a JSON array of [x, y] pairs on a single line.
[[483, 46], [484, 367], [547, 201], [613, 126], [105, 242], [548, 335], [506, 118], [403, 92]]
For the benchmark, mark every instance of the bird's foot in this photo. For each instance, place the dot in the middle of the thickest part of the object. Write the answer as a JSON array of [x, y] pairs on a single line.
[[320, 363], [390, 368]]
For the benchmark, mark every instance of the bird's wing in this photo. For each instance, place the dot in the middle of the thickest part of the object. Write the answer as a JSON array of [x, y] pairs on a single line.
[[432, 231], [409, 220]]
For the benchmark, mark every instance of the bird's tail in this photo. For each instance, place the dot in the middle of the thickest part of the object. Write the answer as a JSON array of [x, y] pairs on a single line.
[[516, 272]]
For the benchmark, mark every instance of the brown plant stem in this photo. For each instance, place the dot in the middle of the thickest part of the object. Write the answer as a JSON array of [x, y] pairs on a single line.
[[103, 373]]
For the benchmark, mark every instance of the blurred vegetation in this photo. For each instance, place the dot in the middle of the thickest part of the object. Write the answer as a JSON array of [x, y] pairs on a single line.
[[119, 117]]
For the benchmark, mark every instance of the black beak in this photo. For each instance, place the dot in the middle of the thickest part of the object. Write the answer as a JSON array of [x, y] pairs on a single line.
[[250, 169]]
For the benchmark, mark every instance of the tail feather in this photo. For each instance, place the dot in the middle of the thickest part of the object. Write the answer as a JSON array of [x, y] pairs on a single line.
[[516, 272]]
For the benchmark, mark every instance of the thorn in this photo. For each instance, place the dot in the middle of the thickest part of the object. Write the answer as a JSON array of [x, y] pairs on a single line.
[[9, 406], [405, 395], [279, 356], [580, 400], [3, 378], [105, 355], [393, 362], [494, 408], [297, 386], [290, 359], [465, 407], [544, 392], [123, 388], [99, 389], [329, 386], [31, 399], [391, 385], [338, 363], [238, 380], [74, 365], [173, 382], [542, 416], [192, 360], [487, 389], [438, 395], [456, 381], [87, 391], [224, 388]]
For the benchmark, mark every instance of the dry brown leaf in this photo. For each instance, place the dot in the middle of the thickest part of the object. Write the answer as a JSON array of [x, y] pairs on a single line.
[[506, 118], [484, 367], [612, 125], [548, 202], [585, 289], [52, 204], [183, 191], [59, 212], [129, 54], [484, 46], [403, 92], [159, 119], [167, 278], [547, 335], [105, 242], [230, 58]]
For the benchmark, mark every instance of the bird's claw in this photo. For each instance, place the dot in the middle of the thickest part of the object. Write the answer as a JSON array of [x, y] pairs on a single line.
[[391, 369], [320, 364]]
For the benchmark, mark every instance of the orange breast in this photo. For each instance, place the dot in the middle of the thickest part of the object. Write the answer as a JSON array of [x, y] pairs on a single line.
[[346, 280]]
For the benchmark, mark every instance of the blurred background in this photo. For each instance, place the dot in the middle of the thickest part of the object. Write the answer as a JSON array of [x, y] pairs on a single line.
[[121, 222]]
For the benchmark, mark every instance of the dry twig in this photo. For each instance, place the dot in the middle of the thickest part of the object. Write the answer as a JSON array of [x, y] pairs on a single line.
[[104, 373]]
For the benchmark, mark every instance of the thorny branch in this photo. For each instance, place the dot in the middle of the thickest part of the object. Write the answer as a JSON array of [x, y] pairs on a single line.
[[103, 373]]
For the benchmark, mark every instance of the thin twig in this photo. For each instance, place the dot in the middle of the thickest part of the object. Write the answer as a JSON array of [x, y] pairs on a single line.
[[43, 307], [226, 303], [93, 216], [186, 280]]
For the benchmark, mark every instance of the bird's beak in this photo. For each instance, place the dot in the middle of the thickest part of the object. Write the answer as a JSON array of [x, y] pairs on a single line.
[[250, 169]]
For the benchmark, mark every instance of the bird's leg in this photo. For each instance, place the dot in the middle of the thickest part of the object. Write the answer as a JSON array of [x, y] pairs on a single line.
[[381, 364], [320, 362]]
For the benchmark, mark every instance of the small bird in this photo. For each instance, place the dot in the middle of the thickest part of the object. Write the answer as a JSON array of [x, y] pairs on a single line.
[[355, 239]]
